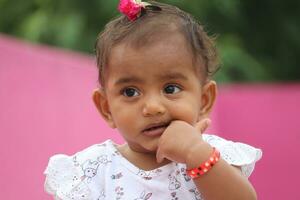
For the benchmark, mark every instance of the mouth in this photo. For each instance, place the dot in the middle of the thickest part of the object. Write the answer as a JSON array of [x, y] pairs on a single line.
[[155, 129]]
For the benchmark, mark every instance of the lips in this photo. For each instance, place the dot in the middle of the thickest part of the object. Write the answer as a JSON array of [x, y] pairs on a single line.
[[155, 129]]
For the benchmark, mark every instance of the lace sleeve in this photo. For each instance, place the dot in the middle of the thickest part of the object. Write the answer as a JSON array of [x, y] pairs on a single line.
[[64, 179], [235, 153]]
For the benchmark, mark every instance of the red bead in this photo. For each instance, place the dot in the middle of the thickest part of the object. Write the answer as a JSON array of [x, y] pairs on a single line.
[[205, 166]]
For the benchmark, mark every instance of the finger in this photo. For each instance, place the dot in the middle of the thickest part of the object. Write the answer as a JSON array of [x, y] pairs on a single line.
[[159, 156], [206, 124], [202, 125]]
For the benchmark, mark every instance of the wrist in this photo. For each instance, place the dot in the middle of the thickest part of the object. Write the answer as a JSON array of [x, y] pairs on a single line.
[[206, 166], [197, 154]]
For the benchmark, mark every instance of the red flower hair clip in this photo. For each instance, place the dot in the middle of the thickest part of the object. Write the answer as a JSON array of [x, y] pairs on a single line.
[[133, 8]]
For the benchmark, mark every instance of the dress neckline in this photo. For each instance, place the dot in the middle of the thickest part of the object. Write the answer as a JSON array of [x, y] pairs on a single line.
[[136, 170]]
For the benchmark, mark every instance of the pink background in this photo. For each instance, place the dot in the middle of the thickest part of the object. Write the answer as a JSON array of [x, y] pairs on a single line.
[[46, 108]]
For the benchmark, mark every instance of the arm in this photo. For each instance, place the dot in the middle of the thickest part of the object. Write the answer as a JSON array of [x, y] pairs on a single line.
[[223, 181]]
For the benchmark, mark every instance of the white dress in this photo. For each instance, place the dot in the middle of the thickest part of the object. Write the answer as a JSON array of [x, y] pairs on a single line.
[[101, 172]]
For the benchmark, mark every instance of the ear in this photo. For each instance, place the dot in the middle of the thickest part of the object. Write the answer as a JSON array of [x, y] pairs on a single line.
[[209, 93], [101, 103]]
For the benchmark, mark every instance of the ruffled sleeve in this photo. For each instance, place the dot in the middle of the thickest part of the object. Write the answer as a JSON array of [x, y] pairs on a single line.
[[65, 179], [235, 153]]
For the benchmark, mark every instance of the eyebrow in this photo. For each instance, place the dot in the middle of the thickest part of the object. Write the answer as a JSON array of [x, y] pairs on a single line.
[[174, 75], [132, 79]]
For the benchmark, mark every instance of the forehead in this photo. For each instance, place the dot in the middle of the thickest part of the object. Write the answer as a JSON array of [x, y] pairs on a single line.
[[168, 55]]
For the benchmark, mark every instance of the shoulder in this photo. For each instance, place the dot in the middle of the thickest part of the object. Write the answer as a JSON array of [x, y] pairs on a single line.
[[235, 153], [96, 152], [69, 176]]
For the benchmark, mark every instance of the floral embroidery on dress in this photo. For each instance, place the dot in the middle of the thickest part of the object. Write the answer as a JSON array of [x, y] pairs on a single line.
[[147, 175], [187, 178], [119, 192], [174, 184], [103, 159], [76, 163], [117, 176], [174, 196], [144, 174], [116, 153], [79, 192], [196, 193], [144, 196]]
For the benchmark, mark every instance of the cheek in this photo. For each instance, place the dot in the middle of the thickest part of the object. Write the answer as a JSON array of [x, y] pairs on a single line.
[[123, 115], [186, 111]]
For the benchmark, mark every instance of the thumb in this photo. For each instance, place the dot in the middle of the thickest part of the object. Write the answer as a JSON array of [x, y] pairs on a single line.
[[202, 125]]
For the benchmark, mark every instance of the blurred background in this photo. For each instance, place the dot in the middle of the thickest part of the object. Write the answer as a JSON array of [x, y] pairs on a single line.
[[258, 39], [48, 72]]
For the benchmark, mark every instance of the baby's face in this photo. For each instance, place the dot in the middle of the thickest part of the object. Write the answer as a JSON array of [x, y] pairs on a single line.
[[146, 89]]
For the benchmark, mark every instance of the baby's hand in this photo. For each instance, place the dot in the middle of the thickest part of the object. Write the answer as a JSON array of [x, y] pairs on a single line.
[[179, 139]]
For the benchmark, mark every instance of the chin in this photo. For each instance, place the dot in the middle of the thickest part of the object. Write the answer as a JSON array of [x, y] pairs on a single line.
[[140, 149]]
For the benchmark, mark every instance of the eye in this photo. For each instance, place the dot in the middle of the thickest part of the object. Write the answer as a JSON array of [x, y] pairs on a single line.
[[130, 92], [172, 89]]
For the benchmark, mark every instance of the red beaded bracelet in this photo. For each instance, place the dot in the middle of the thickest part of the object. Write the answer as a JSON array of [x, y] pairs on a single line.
[[205, 166]]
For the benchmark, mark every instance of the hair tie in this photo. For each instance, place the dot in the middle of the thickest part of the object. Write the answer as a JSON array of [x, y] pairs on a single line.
[[135, 8]]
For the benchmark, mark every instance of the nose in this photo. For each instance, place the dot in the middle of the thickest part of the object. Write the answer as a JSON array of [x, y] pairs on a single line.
[[153, 106]]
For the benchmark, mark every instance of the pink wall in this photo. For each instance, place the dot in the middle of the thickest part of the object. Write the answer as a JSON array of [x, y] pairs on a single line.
[[266, 116], [46, 108]]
